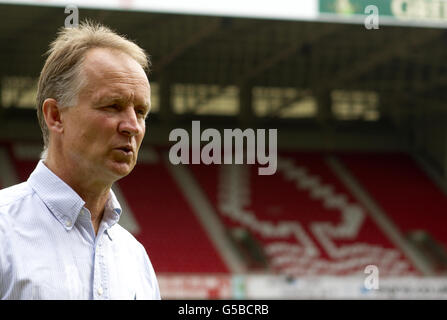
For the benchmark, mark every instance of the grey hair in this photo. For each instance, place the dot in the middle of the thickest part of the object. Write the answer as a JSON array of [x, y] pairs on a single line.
[[62, 78]]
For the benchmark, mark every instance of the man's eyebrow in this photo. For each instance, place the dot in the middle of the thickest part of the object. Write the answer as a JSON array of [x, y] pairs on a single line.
[[104, 99], [107, 99]]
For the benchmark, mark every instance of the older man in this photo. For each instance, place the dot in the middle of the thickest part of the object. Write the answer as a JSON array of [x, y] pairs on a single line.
[[59, 236]]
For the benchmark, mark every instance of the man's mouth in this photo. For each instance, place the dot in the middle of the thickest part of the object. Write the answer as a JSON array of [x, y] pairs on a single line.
[[125, 149]]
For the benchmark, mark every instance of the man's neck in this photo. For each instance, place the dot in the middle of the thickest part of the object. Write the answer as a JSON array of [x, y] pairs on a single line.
[[95, 193], [95, 203]]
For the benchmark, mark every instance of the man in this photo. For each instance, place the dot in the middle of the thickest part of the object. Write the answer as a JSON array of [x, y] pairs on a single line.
[[59, 237]]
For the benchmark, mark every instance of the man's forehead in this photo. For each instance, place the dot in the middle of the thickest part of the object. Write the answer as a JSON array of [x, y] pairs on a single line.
[[103, 64], [109, 57], [111, 75]]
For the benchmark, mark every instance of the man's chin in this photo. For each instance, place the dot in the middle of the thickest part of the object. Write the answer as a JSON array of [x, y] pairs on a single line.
[[120, 169]]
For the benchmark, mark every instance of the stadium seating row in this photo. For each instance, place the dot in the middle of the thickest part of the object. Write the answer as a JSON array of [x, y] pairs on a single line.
[[302, 221]]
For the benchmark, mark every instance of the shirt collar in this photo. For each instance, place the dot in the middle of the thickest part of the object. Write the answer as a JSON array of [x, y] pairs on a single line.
[[63, 201], [58, 196], [112, 213]]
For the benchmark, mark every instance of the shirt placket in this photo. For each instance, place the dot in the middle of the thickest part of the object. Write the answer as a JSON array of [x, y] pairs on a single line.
[[100, 281]]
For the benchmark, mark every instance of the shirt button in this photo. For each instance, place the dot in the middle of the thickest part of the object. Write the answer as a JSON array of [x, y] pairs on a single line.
[[68, 223], [100, 291]]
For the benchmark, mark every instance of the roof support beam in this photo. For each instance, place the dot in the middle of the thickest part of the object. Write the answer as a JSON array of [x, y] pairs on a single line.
[[246, 114], [189, 43], [366, 63], [166, 107], [288, 52]]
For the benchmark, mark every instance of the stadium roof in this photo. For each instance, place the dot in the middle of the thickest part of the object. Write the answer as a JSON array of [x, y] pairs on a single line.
[[273, 65], [226, 50]]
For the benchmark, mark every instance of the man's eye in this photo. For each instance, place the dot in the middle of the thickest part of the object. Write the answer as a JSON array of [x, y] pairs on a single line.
[[112, 107], [141, 112]]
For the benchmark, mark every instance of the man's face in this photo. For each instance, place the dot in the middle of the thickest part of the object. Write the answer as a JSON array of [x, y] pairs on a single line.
[[103, 132]]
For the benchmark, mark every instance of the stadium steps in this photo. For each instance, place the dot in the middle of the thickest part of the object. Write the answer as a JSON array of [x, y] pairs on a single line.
[[404, 191]]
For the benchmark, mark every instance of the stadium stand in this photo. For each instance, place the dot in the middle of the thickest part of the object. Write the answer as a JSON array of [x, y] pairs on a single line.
[[405, 192], [302, 221], [384, 175], [305, 220]]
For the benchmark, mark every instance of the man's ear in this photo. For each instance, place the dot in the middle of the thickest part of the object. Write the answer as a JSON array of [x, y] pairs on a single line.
[[52, 115]]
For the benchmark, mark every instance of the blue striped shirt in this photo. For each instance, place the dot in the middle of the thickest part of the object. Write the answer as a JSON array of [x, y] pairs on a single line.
[[49, 250]]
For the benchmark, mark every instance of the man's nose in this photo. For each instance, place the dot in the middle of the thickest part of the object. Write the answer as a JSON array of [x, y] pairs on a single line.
[[129, 123]]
